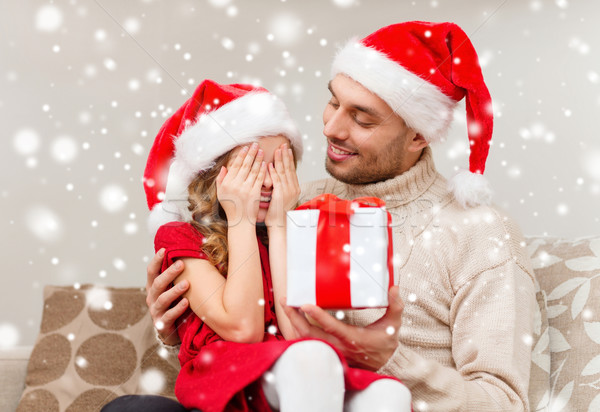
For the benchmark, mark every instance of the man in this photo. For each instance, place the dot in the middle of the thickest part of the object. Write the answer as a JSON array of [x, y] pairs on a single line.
[[463, 339]]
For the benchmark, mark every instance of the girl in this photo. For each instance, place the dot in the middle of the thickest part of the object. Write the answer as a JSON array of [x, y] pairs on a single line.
[[231, 152]]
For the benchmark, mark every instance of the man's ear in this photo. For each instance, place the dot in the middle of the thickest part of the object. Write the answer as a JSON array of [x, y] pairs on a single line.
[[417, 142]]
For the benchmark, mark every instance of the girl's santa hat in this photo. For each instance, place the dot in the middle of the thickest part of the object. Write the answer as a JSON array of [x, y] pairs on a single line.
[[214, 120], [421, 70]]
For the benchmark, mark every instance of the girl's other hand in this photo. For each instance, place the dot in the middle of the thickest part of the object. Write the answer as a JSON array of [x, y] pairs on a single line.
[[286, 189]]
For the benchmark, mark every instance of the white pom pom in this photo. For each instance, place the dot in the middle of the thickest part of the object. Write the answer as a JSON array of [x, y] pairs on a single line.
[[165, 212], [470, 189]]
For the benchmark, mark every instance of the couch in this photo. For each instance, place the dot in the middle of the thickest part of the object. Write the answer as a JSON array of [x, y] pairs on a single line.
[[96, 343]]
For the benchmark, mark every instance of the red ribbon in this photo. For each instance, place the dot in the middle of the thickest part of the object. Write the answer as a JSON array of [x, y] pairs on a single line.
[[333, 247]]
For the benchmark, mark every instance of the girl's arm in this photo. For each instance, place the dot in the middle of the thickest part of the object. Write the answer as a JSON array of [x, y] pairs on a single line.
[[286, 191], [230, 306], [233, 307]]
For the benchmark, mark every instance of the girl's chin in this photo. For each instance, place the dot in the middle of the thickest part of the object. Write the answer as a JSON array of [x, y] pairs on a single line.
[[262, 214]]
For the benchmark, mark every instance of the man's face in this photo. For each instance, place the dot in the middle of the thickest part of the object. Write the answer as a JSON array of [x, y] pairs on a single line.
[[367, 141]]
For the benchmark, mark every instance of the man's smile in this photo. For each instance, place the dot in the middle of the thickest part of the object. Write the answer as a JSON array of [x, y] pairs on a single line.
[[337, 154]]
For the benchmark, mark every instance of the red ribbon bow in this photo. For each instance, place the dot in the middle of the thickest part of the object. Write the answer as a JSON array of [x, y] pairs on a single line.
[[331, 203]]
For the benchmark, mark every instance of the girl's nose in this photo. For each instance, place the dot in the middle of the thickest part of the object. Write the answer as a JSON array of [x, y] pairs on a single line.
[[268, 182]]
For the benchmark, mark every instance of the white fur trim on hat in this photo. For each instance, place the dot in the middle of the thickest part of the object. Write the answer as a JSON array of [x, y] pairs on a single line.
[[470, 189], [174, 206], [168, 211], [421, 104], [236, 123]]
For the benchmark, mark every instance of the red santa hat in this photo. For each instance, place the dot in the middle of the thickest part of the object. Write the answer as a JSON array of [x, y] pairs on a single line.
[[421, 70], [214, 120]]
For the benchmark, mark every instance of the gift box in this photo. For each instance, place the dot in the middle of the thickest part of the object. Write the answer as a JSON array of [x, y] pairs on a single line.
[[339, 253]]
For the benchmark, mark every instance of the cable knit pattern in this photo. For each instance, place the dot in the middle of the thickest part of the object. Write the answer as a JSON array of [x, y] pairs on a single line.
[[467, 285]]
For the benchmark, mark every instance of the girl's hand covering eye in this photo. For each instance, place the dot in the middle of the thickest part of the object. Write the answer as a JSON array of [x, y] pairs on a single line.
[[286, 189], [238, 186]]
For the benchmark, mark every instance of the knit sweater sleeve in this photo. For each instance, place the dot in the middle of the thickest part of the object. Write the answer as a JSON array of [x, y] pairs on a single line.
[[168, 352], [490, 318]]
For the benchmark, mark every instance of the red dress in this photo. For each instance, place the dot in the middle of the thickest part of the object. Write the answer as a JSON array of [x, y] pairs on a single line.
[[218, 375]]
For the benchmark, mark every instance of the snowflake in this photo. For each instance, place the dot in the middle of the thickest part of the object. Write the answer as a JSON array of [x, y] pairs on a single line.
[[44, 223], [48, 18], [285, 28], [64, 149], [26, 141], [113, 198], [9, 335], [152, 381], [96, 298]]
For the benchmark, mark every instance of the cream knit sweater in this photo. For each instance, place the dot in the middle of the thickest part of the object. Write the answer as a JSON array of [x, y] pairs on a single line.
[[467, 287]]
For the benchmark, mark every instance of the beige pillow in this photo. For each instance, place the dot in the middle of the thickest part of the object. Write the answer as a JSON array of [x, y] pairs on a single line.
[[539, 382], [568, 274], [95, 343]]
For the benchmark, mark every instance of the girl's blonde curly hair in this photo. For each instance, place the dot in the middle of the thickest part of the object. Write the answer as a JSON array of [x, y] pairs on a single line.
[[208, 217]]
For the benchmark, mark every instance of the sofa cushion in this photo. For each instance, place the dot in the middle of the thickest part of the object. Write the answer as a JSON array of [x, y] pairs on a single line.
[[98, 343], [568, 277], [95, 344], [539, 382], [13, 367]]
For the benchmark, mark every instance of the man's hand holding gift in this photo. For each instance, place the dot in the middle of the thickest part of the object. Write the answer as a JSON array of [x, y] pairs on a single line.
[[367, 347]]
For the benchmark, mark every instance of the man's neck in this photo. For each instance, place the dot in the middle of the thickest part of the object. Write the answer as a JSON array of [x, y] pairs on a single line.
[[409, 161]]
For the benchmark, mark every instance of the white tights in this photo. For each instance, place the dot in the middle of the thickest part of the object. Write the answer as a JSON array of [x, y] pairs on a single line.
[[309, 377]]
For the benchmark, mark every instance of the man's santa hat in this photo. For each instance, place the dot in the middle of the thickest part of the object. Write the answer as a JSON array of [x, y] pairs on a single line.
[[421, 70], [214, 120]]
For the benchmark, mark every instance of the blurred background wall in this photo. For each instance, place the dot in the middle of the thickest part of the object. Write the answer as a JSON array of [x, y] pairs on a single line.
[[85, 86]]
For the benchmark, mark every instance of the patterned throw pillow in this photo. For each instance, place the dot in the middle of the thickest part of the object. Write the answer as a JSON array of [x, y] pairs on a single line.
[[94, 344], [566, 350]]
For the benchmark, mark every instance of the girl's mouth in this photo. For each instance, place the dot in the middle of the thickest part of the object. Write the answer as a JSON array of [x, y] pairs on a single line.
[[265, 200]]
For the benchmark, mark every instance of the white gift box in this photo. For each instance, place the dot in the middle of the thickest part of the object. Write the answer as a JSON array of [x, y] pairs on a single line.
[[337, 261]]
